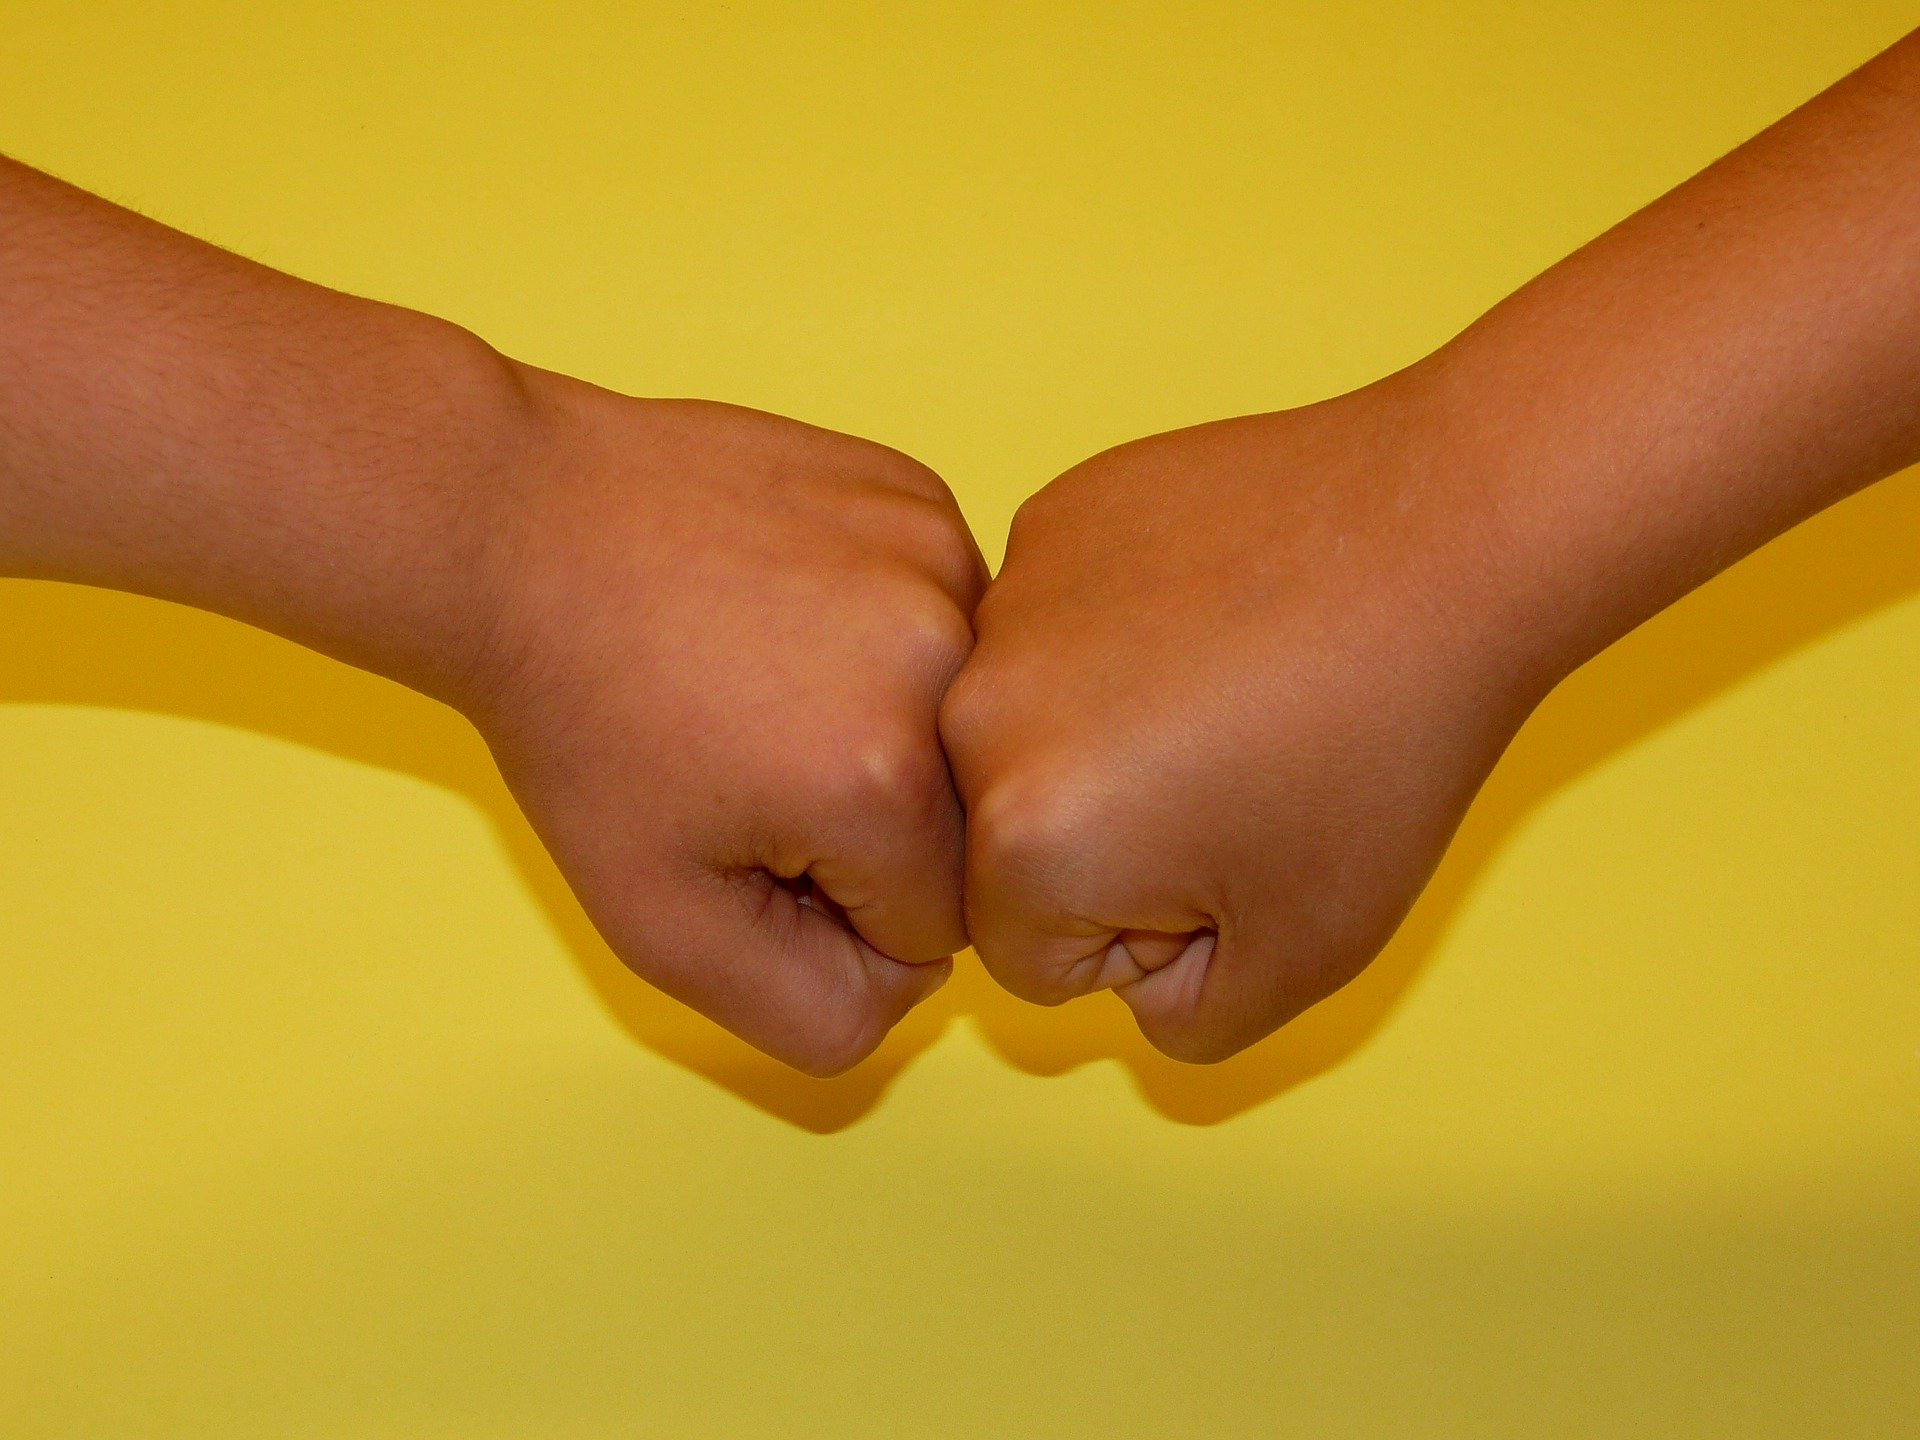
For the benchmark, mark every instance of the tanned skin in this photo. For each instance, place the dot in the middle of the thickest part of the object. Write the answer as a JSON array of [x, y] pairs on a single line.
[[1236, 685], [707, 645]]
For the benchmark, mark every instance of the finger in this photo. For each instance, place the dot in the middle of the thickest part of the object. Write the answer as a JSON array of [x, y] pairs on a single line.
[[1063, 899], [888, 848], [1222, 992], [876, 823], [1150, 950], [788, 976], [1035, 950]]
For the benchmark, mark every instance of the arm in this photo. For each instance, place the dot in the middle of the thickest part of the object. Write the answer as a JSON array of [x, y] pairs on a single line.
[[1236, 685], [1737, 356], [705, 644], [178, 421]]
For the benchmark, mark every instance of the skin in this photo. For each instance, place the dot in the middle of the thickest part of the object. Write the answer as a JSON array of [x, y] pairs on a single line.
[[707, 645], [1236, 685]]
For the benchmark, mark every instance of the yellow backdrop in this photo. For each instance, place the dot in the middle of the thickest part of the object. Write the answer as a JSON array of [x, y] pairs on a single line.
[[323, 1113]]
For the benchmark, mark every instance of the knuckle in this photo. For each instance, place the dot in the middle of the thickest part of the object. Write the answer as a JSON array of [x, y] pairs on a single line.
[[1030, 822], [1058, 501], [934, 532], [902, 471], [884, 766], [1027, 518], [933, 632], [996, 710], [910, 627], [936, 518], [964, 716]]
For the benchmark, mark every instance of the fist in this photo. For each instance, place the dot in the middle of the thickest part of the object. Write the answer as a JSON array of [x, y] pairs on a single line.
[[713, 684], [1233, 690]]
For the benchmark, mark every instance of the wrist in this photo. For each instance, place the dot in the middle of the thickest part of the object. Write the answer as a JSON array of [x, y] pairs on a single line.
[[383, 536], [484, 441], [1563, 532], [1470, 595]]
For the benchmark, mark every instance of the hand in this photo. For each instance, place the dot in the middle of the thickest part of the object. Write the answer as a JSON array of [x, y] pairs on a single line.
[[713, 686], [1234, 688], [1236, 685], [706, 645]]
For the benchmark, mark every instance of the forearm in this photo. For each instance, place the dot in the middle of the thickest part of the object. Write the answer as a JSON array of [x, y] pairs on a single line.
[[1735, 357], [177, 421]]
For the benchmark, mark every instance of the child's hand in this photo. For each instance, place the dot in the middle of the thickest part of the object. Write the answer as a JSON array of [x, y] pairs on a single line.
[[1244, 679], [724, 638], [707, 645], [1234, 688]]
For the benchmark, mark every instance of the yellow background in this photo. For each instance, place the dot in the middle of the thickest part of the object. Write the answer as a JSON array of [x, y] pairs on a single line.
[[322, 1113]]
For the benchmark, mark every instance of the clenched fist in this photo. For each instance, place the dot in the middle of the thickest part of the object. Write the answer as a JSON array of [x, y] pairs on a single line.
[[1236, 685], [707, 645], [714, 683], [1233, 690]]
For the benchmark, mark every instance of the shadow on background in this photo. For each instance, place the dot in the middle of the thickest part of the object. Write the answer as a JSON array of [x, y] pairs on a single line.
[[65, 645]]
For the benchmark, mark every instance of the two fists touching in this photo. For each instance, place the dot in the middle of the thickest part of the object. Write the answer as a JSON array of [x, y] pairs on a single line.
[[1235, 686], [1231, 691], [1220, 721], [1204, 753]]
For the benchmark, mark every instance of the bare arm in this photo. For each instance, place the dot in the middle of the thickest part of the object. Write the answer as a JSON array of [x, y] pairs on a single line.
[[706, 644], [1237, 684], [1732, 359], [181, 422]]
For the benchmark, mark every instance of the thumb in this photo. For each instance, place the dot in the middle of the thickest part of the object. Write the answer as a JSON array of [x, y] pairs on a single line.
[[1056, 908], [778, 965], [1220, 992]]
